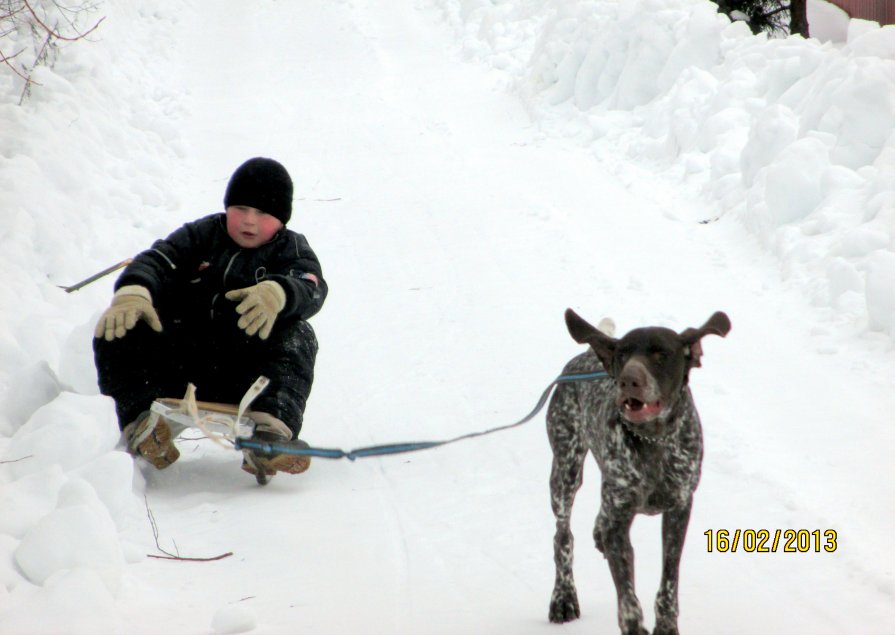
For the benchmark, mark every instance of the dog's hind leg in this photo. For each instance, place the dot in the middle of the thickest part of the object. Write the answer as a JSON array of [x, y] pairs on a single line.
[[674, 529], [569, 452]]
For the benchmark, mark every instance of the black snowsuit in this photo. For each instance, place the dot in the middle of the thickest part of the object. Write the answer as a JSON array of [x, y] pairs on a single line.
[[188, 274]]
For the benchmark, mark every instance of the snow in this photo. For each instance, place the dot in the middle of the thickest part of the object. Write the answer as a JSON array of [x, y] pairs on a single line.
[[234, 619], [783, 134], [78, 533], [465, 170]]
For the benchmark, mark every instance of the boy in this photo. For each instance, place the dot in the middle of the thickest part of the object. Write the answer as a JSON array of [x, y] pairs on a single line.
[[219, 302]]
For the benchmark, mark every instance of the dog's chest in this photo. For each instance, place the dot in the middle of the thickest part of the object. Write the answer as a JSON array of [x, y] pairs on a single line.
[[653, 476]]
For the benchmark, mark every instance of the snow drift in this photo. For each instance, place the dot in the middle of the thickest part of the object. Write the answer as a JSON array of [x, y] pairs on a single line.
[[795, 138]]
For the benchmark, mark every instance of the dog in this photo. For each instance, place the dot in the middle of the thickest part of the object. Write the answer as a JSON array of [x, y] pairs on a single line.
[[641, 425]]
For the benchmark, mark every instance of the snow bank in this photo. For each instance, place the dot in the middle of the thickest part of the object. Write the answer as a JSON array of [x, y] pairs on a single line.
[[793, 137], [91, 143], [75, 602], [87, 149], [79, 533]]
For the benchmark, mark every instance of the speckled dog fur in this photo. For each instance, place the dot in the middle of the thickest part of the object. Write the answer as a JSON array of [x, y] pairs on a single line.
[[641, 425]]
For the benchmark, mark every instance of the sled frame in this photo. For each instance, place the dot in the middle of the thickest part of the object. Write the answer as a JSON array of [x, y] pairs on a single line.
[[221, 422]]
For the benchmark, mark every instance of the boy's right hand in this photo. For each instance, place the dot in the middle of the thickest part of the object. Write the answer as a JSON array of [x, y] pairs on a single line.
[[130, 303]]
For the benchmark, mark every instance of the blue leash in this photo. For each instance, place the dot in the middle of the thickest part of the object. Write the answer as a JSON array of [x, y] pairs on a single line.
[[401, 448]]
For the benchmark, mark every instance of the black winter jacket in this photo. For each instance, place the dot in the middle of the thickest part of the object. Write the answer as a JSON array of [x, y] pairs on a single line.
[[189, 272]]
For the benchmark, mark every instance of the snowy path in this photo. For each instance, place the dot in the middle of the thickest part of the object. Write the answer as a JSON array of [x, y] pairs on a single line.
[[453, 236]]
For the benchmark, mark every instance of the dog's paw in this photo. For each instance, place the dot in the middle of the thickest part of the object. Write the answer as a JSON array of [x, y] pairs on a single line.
[[564, 606], [634, 629], [665, 629]]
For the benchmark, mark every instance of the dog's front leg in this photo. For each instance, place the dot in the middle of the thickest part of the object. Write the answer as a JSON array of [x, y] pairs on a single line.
[[674, 531], [569, 452], [612, 537]]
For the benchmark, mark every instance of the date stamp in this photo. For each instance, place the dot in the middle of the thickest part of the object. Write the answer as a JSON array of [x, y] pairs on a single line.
[[771, 540]]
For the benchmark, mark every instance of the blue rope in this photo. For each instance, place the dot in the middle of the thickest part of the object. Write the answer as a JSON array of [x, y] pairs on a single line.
[[402, 448]]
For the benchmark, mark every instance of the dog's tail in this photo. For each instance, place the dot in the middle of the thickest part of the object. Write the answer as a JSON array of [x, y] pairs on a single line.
[[607, 326]]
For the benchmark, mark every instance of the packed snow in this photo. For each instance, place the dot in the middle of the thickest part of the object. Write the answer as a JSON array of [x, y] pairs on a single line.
[[465, 170]]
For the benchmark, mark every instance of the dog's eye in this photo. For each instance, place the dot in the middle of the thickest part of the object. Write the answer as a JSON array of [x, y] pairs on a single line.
[[659, 356]]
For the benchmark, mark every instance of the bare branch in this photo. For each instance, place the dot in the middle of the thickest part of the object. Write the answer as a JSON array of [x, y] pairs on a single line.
[[12, 13], [19, 15], [168, 555], [42, 56], [53, 32], [5, 59], [780, 9], [213, 558], [30, 456]]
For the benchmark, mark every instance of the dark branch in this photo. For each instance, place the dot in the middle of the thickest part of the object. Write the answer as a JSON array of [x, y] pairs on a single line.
[[30, 456], [168, 555], [780, 9], [53, 32], [211, 559]]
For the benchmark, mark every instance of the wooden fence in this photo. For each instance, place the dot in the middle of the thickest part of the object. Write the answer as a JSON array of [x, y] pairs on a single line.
[[882, 11]]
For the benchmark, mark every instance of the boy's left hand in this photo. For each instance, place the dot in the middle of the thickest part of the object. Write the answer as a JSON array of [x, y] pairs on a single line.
[[259, 307]]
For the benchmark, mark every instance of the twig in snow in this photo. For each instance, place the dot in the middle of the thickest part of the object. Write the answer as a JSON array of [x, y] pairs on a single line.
[[183, 438], [30, 456], [168, 555], [220, 557]]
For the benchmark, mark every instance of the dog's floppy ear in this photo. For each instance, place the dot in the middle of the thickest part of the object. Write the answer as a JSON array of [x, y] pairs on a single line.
[[584, 332], [718, 324]]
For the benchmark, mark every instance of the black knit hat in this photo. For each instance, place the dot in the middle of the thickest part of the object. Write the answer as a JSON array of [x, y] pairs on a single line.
[[263, 184]]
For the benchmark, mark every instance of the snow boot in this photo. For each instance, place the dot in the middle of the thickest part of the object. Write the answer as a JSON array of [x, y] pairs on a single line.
[[155, 445], [269, 429]]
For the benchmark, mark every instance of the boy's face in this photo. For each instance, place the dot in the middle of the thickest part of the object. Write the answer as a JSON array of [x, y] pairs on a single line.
[[250, 227]]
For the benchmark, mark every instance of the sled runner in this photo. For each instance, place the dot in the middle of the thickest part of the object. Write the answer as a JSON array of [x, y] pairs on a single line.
[[224, 424]]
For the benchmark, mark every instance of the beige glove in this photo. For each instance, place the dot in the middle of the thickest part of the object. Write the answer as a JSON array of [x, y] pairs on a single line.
[[129, 304], [259, 307]]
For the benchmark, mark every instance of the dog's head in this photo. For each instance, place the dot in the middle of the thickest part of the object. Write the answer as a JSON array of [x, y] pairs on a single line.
[[650, 365]]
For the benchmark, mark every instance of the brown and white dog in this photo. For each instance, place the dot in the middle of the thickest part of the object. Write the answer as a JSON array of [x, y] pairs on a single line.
[[641, 425]]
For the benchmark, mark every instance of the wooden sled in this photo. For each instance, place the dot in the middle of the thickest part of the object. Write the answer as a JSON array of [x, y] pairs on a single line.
[[223, 423], [221, 419]]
